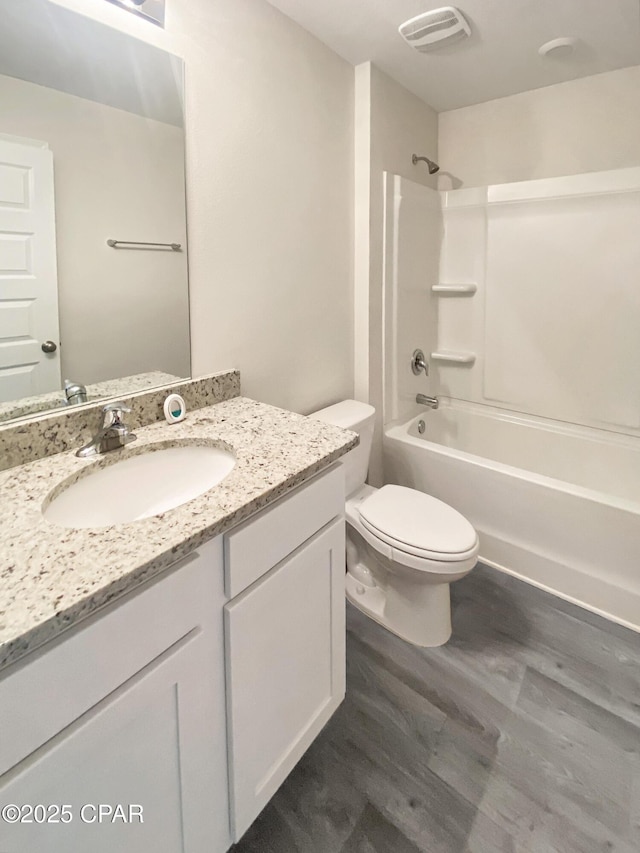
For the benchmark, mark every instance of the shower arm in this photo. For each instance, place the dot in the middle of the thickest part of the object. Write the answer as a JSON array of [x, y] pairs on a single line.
[[433, 167]]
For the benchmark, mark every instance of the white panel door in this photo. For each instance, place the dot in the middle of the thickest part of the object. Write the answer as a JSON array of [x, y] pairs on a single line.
[[28, 274], [285, 646]]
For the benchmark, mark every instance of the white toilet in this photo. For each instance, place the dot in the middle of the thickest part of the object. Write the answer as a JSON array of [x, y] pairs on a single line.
[[404, 547]]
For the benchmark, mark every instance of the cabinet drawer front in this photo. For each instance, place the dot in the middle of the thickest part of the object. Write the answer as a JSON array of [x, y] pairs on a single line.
[[285, 646], [253, 548], [59, 684]]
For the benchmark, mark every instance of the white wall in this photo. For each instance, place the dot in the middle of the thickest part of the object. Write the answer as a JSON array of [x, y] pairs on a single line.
[[391, 125], [270, 196], [586, 125], [117, 176]]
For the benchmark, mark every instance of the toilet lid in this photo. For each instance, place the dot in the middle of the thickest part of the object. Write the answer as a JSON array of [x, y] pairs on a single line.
[[411, 521]]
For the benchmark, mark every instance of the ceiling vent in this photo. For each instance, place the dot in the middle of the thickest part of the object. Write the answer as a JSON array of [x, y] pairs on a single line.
[[434, 29]]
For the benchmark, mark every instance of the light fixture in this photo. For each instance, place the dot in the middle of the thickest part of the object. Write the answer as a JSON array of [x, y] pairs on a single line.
[[152, 10], [559, 48]]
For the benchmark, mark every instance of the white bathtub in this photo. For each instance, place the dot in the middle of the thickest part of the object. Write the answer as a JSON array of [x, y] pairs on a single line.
[[558, 506]]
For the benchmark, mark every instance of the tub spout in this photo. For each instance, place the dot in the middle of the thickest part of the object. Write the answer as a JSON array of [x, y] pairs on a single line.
[[424, 400]]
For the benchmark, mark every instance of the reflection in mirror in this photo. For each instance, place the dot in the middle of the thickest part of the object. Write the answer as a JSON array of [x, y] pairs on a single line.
[[91, 151], [151, 10]]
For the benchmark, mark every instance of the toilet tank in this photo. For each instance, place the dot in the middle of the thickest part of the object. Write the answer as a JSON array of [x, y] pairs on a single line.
[[358, 417]]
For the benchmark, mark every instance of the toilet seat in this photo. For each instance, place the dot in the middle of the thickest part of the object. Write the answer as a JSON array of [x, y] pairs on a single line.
[[417, 525]]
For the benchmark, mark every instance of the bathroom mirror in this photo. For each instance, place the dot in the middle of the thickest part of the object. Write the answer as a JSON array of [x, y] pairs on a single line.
[[93, 261]]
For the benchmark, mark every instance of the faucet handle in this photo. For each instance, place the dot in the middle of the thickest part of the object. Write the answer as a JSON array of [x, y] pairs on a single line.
[[112, 414], [419, 363]]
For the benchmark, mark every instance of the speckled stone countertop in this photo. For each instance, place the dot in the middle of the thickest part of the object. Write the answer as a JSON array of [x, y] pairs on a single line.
[[51, 577], [54, 432], [56, 400]]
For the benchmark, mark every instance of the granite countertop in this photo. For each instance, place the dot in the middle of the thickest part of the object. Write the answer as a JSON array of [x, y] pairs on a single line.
[[95, 391], [51, 577]]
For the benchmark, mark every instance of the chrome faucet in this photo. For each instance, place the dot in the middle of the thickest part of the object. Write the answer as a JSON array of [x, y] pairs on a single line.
[[424, 400], [112, 432], [74, 392]]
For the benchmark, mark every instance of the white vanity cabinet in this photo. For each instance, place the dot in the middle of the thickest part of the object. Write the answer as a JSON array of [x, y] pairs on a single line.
[[284, 638], [187, 702], [127, 710]]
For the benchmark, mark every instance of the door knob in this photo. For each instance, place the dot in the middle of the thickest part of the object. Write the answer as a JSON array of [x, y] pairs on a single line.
[[49, 346]]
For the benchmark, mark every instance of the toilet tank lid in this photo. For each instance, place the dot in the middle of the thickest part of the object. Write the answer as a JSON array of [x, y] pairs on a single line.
[[348, 414]]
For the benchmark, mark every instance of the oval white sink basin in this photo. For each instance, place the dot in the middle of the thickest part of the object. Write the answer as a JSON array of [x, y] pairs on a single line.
[[140, 486]]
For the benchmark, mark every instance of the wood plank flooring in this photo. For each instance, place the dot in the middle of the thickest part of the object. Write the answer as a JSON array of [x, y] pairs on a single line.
[[521, 735]]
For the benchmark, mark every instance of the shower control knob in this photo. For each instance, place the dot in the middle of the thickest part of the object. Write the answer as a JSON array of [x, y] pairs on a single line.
[[49, 346], [418, 363]]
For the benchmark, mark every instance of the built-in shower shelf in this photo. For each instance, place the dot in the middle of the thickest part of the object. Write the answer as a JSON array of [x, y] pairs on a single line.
[[460, 358], [454, 289]]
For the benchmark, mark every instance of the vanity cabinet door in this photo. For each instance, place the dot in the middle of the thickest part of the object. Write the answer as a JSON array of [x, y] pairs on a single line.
[[155, 745], [285, 646]]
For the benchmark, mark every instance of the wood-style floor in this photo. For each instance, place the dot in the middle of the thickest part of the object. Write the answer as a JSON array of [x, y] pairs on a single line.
[[522, 734]]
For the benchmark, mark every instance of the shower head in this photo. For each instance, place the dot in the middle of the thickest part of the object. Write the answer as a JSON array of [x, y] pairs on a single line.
[[433, 167]]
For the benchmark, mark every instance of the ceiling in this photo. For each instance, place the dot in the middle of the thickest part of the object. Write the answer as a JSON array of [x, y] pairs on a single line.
[[501, 56], [51, 46]]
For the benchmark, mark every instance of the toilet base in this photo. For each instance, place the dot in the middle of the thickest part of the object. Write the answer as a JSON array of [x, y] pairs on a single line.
[[417, 613]]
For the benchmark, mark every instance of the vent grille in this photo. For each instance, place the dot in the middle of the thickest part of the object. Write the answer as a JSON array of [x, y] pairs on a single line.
[[433, 29]]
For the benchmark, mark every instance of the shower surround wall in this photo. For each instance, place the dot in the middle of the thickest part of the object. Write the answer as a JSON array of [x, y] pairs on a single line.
[[531, 331], [413, 238], [534, 307], [553, 326]]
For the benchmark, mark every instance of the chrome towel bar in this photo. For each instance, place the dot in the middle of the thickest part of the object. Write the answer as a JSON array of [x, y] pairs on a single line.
[[125, 243]]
